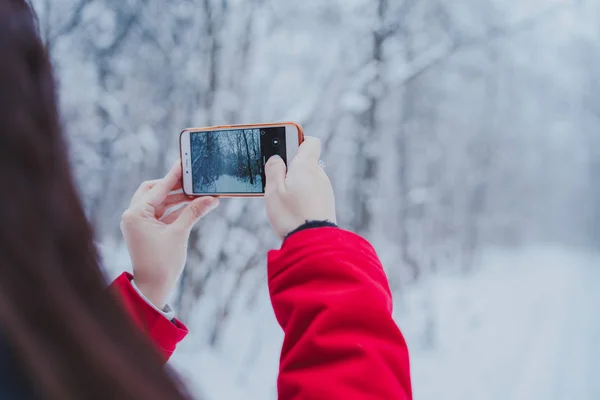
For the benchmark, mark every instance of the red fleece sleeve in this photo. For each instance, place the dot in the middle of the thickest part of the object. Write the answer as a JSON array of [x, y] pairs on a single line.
[[332, 299], [164, 333]]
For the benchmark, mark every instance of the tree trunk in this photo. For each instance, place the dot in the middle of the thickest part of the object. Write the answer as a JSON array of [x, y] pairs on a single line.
[[407, 114], [248, 158], [367, 160]]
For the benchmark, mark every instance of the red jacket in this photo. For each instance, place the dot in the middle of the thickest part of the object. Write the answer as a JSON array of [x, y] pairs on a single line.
[[331, 297], [164, 333]]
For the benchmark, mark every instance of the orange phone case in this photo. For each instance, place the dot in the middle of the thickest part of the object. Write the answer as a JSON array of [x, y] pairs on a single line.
[[247, 126]]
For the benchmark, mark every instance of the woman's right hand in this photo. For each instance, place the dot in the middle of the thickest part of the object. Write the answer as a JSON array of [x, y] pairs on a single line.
[[303, 194], [158, 241]]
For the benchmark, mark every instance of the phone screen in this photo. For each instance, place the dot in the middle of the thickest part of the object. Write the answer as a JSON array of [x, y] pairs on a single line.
[[232, 161]]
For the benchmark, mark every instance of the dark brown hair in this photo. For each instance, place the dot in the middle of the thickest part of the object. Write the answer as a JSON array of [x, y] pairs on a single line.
[[67, 331]]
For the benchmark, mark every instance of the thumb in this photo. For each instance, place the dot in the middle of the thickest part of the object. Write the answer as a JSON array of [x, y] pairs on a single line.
[[275, 173], [194, 211], [310, 150]]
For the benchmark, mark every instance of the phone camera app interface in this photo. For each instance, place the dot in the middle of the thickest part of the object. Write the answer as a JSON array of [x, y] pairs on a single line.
[[232, 161]]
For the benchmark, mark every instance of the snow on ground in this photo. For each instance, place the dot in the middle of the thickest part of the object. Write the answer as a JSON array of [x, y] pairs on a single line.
[[231, 184], [524, 327]]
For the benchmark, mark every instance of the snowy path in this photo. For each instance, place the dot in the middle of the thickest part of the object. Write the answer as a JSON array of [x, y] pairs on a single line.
[[232, 184], [580, 366], [573, 332], [525, 327]]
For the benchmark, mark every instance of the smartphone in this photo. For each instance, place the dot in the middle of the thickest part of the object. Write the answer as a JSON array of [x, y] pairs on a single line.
[[228, 161]]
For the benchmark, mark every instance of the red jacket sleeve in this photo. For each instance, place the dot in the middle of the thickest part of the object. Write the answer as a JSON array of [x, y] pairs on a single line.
[[332, 299], [164, 333]]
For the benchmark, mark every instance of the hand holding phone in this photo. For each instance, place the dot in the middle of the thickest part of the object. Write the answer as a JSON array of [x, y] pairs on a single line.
[[228, 161], [157, 241], [302, 194]]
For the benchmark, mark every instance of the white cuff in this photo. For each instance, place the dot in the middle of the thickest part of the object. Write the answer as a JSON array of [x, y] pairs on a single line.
[[168, 312]]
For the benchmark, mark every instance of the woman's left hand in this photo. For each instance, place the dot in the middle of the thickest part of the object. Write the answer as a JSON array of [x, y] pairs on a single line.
[[157, 240]]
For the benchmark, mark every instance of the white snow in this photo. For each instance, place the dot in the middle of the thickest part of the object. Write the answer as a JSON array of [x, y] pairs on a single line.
[[525, 327], [231, 184], [519, 329]]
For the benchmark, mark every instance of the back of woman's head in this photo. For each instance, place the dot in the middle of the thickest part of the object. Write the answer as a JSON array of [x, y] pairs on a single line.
[[69, 336]]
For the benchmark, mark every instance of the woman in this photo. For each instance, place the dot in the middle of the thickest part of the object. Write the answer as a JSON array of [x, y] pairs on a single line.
[[64, 336]]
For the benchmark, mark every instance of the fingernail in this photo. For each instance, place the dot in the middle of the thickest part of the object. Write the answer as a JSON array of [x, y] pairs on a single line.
[[213, 203], [274, 159]]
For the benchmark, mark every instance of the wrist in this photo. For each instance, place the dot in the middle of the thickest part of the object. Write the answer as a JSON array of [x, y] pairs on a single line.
[[157, 294], [312, 224], [166, 311]]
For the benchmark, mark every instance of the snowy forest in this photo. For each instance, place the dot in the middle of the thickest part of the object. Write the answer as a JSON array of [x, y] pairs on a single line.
[[460, 137], [226, 161]]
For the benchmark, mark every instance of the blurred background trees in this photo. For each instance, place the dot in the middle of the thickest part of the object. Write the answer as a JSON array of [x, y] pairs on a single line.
[[447, 127]]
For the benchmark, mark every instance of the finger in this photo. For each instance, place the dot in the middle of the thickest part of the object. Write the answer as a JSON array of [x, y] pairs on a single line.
[[310, 150], [170, 214], [275, 170], [192, 213], [178, 188], [161, 189], [147, 185], [142, 190], [175, 199]]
